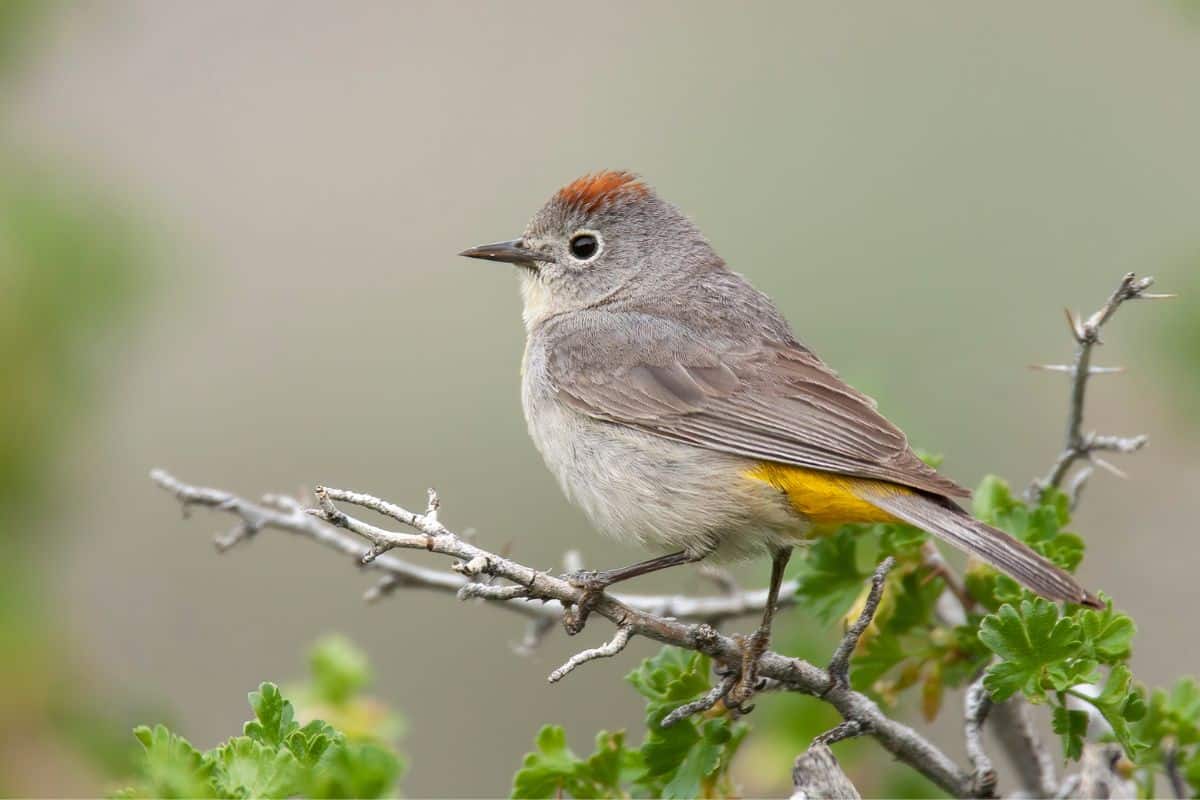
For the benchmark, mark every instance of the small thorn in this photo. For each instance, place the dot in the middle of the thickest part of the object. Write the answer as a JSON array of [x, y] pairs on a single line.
[[1105, 370], [1075, 325], [1067, 368], [1157, 296], [1113, 468]]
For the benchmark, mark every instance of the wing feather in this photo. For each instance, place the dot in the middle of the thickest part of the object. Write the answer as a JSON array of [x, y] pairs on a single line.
[[773, 401]]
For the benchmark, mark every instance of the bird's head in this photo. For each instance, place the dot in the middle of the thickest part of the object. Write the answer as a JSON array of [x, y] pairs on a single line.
[[603, 236]]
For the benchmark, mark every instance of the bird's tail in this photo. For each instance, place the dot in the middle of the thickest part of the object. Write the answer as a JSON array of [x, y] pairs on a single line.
[[941, 517]]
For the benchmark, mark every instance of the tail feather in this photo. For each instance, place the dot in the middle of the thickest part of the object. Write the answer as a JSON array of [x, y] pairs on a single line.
[[944, 519]]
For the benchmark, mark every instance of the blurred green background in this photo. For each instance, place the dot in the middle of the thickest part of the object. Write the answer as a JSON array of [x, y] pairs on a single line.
[[209, 210]]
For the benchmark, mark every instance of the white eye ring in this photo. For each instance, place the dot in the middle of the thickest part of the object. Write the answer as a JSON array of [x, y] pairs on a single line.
[[585, 245]]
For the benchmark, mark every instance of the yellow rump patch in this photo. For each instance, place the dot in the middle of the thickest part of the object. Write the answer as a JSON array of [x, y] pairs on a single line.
[[826, 498]]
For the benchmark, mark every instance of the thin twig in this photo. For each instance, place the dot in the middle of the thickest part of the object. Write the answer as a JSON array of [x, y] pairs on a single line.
[[607, 650], [839, 665], [977, 704], [1080, 446], [847, 729], [703, 704]]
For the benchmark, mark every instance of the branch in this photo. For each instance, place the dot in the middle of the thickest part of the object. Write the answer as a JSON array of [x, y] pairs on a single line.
[[634, 616], [607, 650], [817, 776], [839, 665], [1013, 726], [977, 705], [1099, 774], [1081, 446]]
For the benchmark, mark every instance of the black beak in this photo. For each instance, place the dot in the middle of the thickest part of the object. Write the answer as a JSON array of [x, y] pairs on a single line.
[[511, 252]]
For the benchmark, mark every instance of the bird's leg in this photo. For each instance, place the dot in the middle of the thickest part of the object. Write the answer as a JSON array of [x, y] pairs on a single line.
[[756, 644], [593, 583]]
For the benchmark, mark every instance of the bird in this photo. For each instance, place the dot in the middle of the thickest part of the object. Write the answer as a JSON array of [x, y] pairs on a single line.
[[675, 406]]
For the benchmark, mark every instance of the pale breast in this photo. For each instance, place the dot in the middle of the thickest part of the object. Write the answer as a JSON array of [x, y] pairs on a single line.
[[644, 489]]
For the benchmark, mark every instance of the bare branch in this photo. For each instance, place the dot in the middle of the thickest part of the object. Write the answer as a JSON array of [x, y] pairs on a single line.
[[486, 591], [977, 704], [714, 696], [1014, 729], [839, 665], [648, 617], [817, 775], [847, 729], [607, 650], [1081, 446]]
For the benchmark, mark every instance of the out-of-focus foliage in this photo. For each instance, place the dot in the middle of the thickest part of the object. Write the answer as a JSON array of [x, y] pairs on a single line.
[[17, 18], [72, 266], [285, 751], [689, 759]]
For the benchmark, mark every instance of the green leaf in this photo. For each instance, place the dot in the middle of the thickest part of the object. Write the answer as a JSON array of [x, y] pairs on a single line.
[[550, 770], [828, 578], [275, 716], [170, 766], [248, 768], [1108, 634], [701, 761], [1120, 704], [354, 769], [1030, 643], [672, 758], [902, 541], [880, 654], [612, 764], [1170, 716], [671, 678], [992, 498], [309, 743], [1040, 527], [1071, 726], [339, 670]]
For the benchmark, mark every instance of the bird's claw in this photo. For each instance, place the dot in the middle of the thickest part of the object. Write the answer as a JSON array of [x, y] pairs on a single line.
[[592, 585], [589, 580], [748, 683]]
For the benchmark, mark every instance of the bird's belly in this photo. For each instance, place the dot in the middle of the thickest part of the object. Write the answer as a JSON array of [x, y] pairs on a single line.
[[660, 494]]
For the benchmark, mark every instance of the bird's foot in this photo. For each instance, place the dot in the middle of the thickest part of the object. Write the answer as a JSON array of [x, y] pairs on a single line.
[[748, 683], [592, 584]]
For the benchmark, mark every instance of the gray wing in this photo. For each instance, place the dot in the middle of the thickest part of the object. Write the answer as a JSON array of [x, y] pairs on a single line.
[[772, 401]]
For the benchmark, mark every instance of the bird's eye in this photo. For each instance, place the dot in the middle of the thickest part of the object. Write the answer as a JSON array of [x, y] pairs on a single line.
[[584, 246]]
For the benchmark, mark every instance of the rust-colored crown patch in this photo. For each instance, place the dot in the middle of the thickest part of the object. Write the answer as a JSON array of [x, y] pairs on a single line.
[[593, 192]]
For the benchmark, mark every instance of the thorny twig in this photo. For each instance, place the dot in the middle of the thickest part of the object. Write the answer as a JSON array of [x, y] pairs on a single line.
[[1081, 445]]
